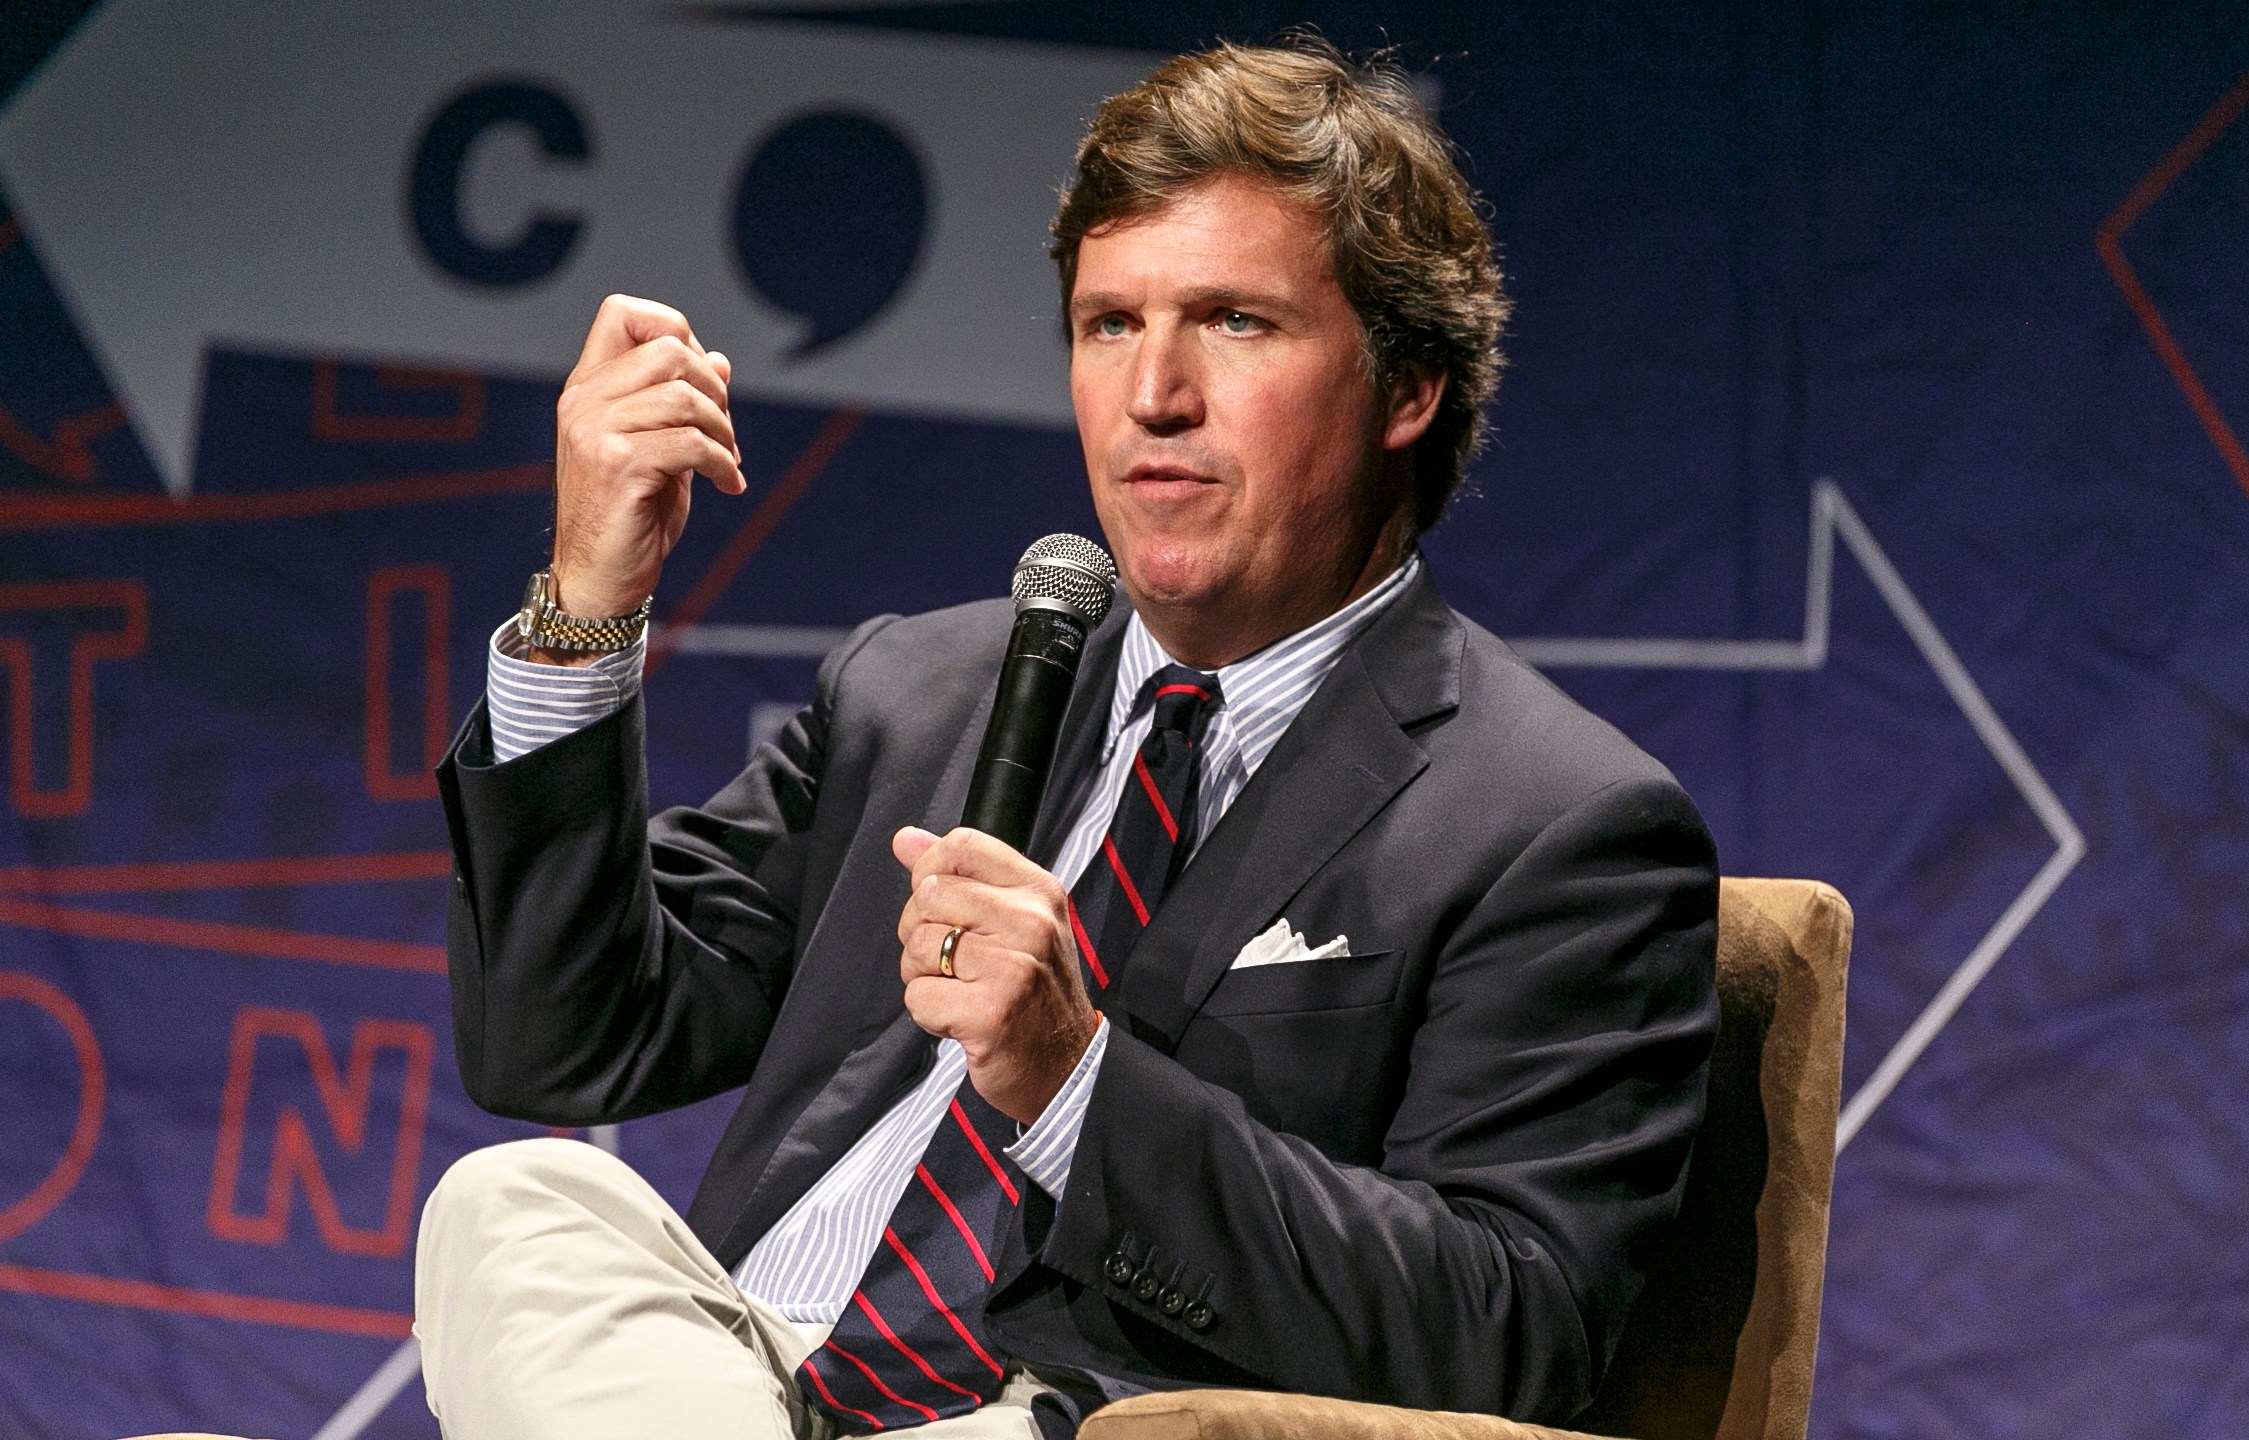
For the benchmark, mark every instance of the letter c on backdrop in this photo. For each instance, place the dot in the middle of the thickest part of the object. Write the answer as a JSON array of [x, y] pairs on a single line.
[[92, 1085], [433, 186]]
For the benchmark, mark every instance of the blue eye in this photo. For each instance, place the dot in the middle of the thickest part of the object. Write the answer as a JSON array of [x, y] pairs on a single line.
[[1110, 325], [1236, 323]]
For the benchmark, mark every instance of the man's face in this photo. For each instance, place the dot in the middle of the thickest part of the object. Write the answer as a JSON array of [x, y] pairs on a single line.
[[1232, 430]]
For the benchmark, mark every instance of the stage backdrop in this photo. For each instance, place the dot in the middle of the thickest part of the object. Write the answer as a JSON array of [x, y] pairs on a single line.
[[1871, 450]]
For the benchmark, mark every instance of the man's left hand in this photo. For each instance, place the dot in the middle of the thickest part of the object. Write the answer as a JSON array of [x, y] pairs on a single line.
[[1015, 1001]]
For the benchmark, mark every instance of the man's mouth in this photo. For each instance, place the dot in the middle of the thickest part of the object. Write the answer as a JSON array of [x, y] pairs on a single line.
[[1165, 478]]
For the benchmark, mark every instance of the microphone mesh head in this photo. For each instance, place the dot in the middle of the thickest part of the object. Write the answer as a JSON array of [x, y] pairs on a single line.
[[1068, 571]]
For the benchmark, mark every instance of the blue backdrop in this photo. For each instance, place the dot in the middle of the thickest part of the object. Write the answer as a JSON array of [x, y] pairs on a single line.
[[1870, 450]]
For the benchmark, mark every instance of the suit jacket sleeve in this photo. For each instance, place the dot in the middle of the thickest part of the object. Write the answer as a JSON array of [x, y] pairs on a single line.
[[1539, 1143], [604, 967]]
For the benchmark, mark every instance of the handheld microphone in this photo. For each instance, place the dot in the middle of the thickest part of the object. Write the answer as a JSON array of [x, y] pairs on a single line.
[[1063, 586]]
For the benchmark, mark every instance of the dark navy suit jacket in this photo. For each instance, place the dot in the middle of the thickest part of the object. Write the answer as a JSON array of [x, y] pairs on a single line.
[[1428, 1173]]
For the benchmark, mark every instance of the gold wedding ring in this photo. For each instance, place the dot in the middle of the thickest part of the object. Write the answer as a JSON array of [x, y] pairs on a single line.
[[945, 948]]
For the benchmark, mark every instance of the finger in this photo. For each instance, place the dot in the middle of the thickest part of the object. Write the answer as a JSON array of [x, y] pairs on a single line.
[[667, 357], [974, 955], [675, 452], [1016, 916], [978, 856], [910, 844], [670, 405], [624, 321], [907, 846], [722, 365], [944, 1008]]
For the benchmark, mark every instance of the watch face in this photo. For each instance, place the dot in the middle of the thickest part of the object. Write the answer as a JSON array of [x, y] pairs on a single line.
[[534, 596]]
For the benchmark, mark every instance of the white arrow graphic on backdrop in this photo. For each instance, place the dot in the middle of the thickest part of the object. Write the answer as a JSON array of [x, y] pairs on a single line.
[[236, 173], [1833, 516]]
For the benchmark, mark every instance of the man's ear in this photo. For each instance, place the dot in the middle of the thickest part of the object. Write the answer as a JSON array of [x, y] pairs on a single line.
[[1414, 396]]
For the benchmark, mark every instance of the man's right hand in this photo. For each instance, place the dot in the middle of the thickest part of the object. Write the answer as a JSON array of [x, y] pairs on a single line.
[[644, 410]]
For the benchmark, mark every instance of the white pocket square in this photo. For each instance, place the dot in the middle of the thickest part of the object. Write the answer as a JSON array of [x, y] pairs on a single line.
[[1280, 945]]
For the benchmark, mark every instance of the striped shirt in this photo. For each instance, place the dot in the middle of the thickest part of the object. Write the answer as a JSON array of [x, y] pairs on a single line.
[[808, 1263], [531, 704]]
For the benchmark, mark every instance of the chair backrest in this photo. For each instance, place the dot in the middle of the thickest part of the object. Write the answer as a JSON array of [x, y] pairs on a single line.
[[1721, 1345]]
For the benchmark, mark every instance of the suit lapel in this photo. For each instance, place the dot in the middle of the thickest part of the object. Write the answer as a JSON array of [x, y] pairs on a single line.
[[1337, 766], [951, 794], [1305, 801], [1083, 727], [868, 1082]]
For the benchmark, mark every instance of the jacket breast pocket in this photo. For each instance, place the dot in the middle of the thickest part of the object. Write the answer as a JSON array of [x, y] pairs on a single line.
[[1345, 982]]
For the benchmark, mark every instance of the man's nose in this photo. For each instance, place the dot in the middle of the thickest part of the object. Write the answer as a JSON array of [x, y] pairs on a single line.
[[1166, 384]]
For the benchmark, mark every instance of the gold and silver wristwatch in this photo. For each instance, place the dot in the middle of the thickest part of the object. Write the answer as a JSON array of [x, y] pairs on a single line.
[[547, 628]]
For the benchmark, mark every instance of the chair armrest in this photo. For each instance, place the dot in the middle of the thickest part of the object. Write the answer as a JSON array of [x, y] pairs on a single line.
[[1269, 1415]]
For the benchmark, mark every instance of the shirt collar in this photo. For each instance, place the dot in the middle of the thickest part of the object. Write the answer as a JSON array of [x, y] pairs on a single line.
[[1260, 693]]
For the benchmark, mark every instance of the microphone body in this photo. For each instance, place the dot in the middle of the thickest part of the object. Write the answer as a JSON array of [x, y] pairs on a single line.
[[1034, 692], [1063, 587]]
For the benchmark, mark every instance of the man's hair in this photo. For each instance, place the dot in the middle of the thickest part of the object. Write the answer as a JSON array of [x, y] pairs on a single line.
[[1350, 141]]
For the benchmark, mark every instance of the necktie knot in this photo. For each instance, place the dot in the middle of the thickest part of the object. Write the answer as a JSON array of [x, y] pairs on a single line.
[[1183, 699]]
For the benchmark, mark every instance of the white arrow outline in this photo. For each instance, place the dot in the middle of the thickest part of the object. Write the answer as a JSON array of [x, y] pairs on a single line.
[[371, 1399], [1832, 515]]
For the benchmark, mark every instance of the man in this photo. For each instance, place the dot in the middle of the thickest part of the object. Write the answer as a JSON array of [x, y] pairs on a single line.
[[1343, 1028]]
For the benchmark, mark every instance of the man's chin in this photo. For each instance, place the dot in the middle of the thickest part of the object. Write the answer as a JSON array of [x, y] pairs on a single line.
[[1179, 585]]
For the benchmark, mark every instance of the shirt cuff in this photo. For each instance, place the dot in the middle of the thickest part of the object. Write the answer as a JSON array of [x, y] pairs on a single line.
[[1044, 1151], [533, 704]]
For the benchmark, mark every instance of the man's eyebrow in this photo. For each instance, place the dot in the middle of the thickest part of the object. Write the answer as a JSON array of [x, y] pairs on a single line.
[[1202, 297], [1239, 297], [1096, 302]]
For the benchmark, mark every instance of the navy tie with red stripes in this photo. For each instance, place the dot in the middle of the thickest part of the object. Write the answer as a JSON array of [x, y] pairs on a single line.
[[910, 1347], [1154, 830]]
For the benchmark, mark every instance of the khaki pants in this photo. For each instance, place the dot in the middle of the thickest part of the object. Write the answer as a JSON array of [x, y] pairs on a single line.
[[556, 1296]]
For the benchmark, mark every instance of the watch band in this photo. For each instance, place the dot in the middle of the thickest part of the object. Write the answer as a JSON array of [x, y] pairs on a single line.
[[544, 626]]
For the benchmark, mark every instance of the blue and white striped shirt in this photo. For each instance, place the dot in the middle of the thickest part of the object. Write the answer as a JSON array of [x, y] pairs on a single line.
[[807, 1264]]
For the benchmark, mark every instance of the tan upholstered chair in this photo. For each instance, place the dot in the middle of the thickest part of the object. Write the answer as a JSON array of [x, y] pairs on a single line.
[[1721, 1344]]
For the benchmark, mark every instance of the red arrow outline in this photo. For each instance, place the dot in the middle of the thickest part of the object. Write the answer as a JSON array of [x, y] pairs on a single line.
[[2108, 234]]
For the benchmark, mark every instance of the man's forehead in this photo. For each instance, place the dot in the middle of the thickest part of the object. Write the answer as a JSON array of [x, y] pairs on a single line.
[[1234, 236]]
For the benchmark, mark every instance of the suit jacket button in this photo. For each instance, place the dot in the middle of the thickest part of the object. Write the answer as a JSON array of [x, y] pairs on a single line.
[[1199, 1316], [1118, 1269], [1172, 1301], [1145, 1286]]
